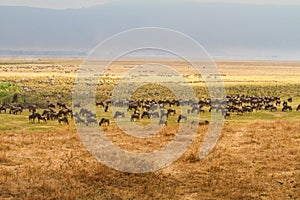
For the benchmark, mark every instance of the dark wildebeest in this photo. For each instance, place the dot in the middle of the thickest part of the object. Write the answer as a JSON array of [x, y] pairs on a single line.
[[171, 111], [15, 110], [51, 106], [100, 104], [135, 116], [132, 106], [32, 117], [201, 123], [286, 108], [290, 99], [181, 117], [63, 120], [32, 108], [104, 121], [273, 108], [204, 123], [119, 114], [146, 114], [61, 105], [41, 118], [2, 108], [298, 108]]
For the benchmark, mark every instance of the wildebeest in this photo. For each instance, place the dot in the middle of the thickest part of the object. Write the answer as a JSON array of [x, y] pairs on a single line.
[[32, 117], [51, 106], [204, 122], [132, 106], [104, 121], [273, 108], [101, 103], [286, 108], [146, 114], [181, 117], [135, 116], [64, 112], [41, 118], [119, 114], [32, 108], [298, 108], [171, 111], [61, 105], [80, 121], [15, 110], [2, 108], [63, 120], [91, 120], [201, 123]]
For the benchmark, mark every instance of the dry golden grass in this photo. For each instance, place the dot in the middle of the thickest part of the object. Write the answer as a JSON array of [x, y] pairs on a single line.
[[254, 161]]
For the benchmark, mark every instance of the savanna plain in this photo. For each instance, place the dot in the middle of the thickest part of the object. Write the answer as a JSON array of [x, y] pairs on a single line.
[[256, 157]]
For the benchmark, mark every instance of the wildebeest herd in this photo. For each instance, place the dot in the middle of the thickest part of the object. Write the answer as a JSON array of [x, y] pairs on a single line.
[[146, 109]]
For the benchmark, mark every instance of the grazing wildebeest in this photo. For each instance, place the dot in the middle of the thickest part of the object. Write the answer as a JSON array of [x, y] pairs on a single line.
[[2, 108], [290, 99], [298, 108], [273, 108], [15, 110], [119, 114], [100, 104], [181, 117], [154, 114], [225, 113], [61, 105], [53, 116], [91, 120], [80, 121], [65, 112], [32, 117], [247, 109], [146, 114], [51, 106], [41, 118], [104, 121], [63, 120], [201, 123], [171, 111], [32, 108], [204, 123], [132, 106], [135, 116], [286, 108]]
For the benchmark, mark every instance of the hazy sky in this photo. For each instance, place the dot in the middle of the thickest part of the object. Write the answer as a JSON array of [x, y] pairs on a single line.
[[230, 27], [62, 4]]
